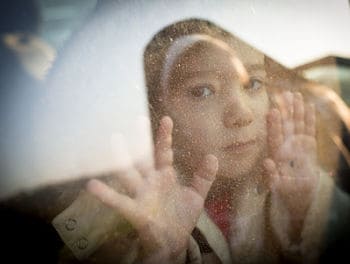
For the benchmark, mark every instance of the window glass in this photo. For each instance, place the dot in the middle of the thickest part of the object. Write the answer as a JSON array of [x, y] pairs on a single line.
[[143, 131]]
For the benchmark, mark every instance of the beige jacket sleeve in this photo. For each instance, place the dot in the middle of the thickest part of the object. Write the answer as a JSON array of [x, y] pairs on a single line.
[[87, 224]]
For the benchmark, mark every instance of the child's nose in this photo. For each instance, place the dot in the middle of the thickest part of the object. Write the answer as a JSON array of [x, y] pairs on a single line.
[[237, 112]]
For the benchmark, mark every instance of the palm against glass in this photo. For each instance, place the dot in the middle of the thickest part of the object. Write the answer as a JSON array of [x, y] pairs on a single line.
[[292, 165], [163, 211]]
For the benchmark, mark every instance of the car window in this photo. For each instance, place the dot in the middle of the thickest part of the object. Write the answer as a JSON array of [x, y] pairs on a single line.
[[124, 120]]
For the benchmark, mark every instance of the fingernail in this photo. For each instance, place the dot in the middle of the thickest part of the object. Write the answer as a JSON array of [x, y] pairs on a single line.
[[212, 161], [167, 123], [91, 185]]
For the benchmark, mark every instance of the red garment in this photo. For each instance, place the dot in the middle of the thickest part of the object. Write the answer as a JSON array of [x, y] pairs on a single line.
[[219, 211]]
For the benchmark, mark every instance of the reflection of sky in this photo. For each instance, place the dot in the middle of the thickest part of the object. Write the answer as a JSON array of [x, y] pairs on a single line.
[[97, 93], [296, 32], [293, 32]]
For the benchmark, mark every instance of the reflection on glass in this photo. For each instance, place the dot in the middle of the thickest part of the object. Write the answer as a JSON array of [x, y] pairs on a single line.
[[243, 160]]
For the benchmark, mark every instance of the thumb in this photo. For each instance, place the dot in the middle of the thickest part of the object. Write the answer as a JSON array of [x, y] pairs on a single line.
[[205, 175]]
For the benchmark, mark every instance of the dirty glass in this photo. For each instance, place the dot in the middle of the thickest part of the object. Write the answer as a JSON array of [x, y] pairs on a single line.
[[186, 132]]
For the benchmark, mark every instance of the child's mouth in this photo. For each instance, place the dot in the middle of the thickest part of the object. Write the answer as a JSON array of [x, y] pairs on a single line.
[[240, 146]]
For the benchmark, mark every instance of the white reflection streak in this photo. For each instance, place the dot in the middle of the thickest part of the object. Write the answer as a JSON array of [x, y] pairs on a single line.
[[341, 109], [180, 45], [336, 102], [120, 152], [343, 149], [142, 148]]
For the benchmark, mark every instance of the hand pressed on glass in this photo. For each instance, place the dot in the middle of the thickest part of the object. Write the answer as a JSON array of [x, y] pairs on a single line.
[[163, 211], [292, 165]]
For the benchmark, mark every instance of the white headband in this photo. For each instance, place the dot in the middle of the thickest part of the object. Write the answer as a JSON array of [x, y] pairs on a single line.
[[180, 45]]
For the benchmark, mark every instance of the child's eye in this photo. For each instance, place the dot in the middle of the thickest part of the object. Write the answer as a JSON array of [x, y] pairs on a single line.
[[202, 91], [255, 83]]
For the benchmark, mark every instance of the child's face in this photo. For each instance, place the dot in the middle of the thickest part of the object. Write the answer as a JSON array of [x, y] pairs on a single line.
[[214, 113]]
